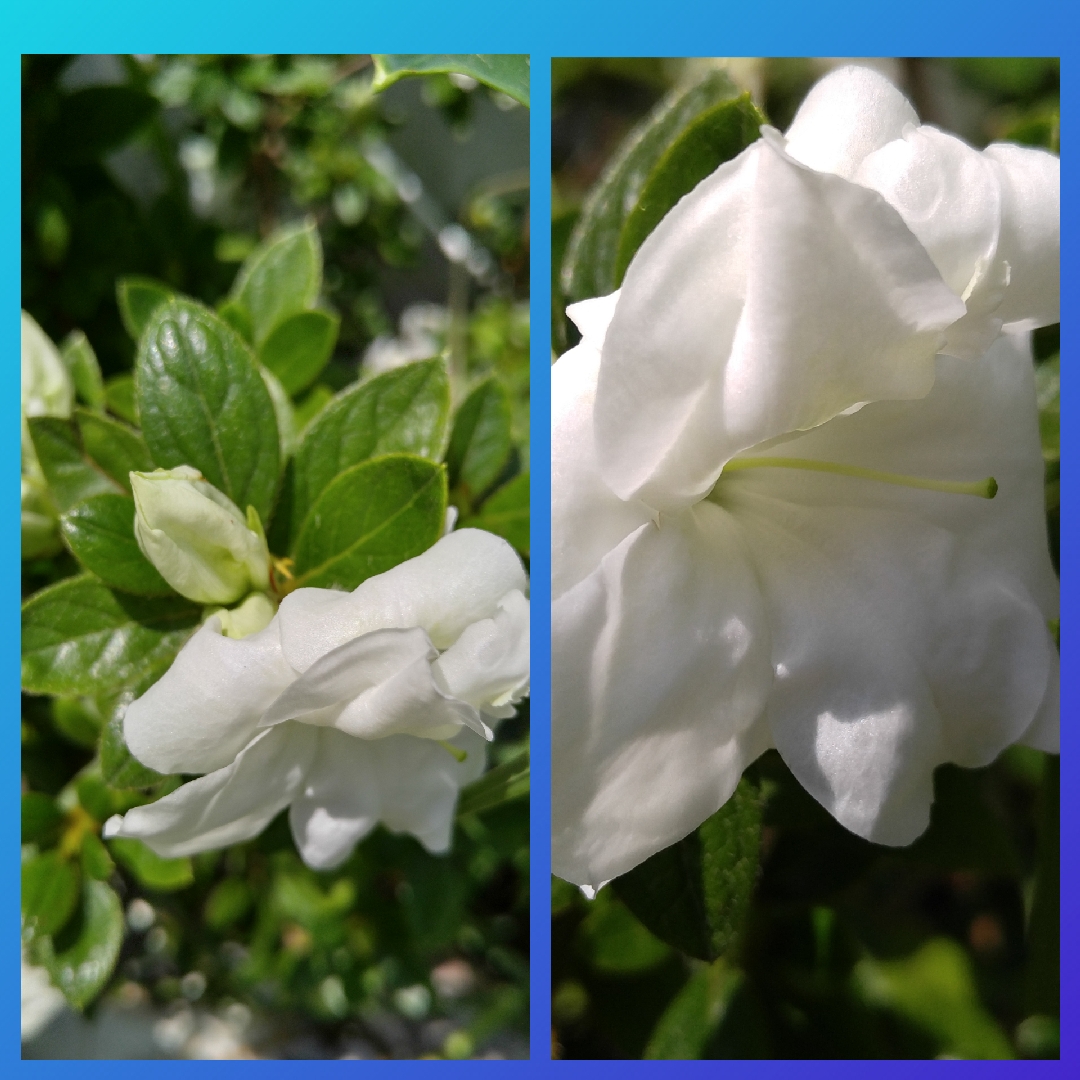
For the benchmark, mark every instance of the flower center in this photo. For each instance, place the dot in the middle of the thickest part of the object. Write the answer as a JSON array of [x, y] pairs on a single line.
[[984, 489]]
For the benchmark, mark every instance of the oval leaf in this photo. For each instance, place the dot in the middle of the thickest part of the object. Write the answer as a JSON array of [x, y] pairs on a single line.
[[81, 637], [298, 348], [695, 894], [405, 411], [203, 403], [71, 475], [280, 277], [101, 534], [82, 363], [372, 517], [50, 891], [481, 442], [120, 398], [508, 73], [150, 870], [115, 448], [138, 298]]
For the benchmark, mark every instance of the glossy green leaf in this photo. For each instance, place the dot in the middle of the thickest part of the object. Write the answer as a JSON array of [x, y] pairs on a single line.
[[115, 448], [592, 256], [119, 768], [203, 403], [79, 719], [682, 1032], [695, 894], [314, 402], [71, 475], [506, 513], [298, 348], [150, 870], [371, 517], [138, 298], [50, 892], [82, 365], [711, 138], [120, 398], [480, 442], [283, 412], [505, 72], [101, 534], [507, 781], [83, 967], [96, 861], [80, 637], [404, 411], [238, 317], [281, 277], [41, 819]]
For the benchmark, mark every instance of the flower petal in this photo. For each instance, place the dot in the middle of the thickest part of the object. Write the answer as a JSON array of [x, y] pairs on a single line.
[[1030, 234], [846, 116], [661, 664], [458, 581], [587, 519], [228, 806], [769, 300], [409, 784], [199, 715]]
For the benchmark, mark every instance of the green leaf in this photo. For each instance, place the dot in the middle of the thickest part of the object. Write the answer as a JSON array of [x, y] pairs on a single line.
[[96, 861], [203, 403], [50, 892], [695, 894], [404, 411], [1048, 396], [615, 942], [150, 870], [281, 277], [138, 298], [119, 768], [370, 518], [101, 534], [713, 137], [298, 348], [505, 72], [506, 513], [79, 719], [935, 990], [684, 1029], [114, 447], [82, 364], [120, 398], [41, 819], [238, 317], [82, 969], [507, 781], [319, 397], [480, 443], [228, 902], [80, 637], [592, 257], [71, 475]]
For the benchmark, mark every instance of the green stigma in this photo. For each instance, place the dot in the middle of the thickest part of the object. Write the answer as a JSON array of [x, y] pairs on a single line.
[[457, 754]]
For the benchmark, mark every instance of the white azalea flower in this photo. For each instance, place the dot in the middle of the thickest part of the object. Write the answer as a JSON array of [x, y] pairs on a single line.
[[349, 708], [765, 522], [197, 538]]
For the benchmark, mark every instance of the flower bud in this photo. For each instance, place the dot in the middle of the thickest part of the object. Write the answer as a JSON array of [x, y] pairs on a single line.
[[253, 615], [197, 538], [46, 385]]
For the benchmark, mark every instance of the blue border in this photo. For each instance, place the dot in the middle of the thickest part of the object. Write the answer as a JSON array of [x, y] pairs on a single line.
[[543, 28]]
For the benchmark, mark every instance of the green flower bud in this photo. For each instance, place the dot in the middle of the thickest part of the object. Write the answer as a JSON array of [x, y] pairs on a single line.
[[254, 614], [197, 538]]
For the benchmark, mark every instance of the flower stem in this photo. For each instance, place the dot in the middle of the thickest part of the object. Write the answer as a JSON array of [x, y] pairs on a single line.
[[984, 489]]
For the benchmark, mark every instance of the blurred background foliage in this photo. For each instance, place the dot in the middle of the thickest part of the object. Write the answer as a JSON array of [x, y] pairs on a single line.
[[947, 948], [174, 168]]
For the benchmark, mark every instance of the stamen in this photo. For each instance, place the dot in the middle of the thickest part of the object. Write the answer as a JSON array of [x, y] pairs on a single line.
[[455, 752], [984, 489]]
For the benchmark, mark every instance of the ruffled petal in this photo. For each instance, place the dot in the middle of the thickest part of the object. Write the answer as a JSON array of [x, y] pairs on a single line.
[[458, 581], [205, 709], [587, 519], [376, 685], [228, 806], [660, 666], [411, 785], [771, 299], [1030, 234], [846, 116]]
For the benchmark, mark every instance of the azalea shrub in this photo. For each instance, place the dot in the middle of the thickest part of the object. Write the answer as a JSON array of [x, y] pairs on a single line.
[[804, 661], [276, 622]]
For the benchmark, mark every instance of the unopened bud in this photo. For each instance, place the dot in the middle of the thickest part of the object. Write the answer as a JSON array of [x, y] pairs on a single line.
[[197, 538], [254, 614]]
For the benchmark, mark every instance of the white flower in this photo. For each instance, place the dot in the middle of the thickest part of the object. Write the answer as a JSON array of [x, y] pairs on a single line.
[[339, 709], [727, 577], [197, 538]]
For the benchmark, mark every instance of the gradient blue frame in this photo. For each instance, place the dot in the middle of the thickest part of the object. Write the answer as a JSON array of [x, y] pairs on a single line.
[[542, 28]]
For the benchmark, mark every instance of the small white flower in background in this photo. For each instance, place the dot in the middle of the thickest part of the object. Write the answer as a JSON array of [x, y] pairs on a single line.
[[349, 708], [765, 529], [197, 538]]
